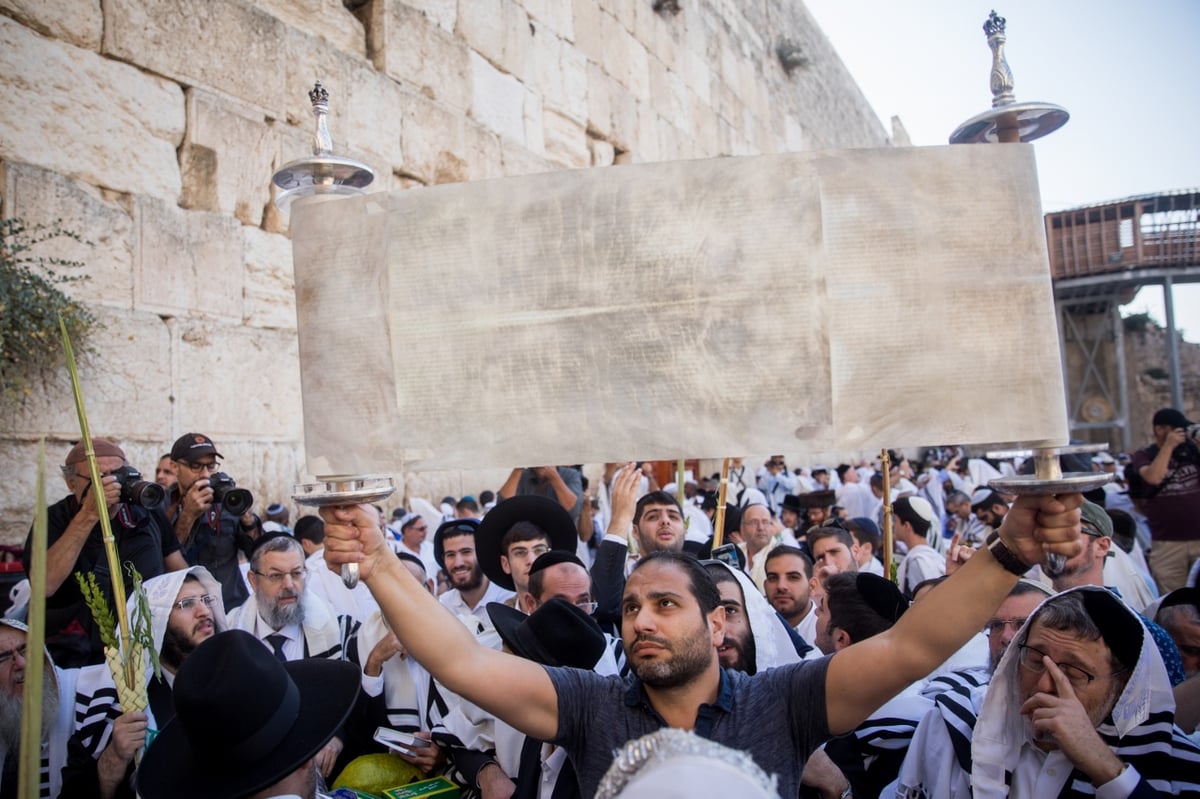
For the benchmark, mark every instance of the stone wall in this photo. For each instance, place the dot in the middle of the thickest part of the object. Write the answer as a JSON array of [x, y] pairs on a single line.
[[152, 128]]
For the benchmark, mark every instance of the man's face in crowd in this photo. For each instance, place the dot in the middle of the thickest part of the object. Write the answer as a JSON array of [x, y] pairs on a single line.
[[79, 480], [817, 516], [187, 628], [12, 670], [461, 564], [520, 556], [12, 687], [824, 640], [414, 535], [737, 650], [1186, 635], [164, 475], [832, 551], [991, 516], [756, 527], [1078, 570], [1098, 696], [821, 479], [789, 518], [667, 640], [568, 581], [279, 586], [787, 586], [188, 472], [660, 528], [961, 509], [1003, 626]]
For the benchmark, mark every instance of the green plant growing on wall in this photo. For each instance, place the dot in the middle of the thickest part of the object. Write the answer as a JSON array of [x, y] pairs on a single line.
[[31, 300]]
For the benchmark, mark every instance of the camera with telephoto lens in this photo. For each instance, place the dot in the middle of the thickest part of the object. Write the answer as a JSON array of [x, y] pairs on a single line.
[[136, 491], [226, 494]]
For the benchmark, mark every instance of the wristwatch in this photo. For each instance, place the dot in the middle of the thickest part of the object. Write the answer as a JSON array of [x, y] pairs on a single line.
[[1003, 555]]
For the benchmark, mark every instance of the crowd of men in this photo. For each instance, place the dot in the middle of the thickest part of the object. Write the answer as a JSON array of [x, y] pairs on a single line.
[[523, 637]]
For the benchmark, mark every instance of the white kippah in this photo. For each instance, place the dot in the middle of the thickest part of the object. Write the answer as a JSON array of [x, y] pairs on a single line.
[[980, 495], [923, 508]]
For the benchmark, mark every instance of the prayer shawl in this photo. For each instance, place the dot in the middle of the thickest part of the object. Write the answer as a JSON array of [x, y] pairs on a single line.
[[970, 745], [96, 704], [772, 644], [326, 635], [871, 756]]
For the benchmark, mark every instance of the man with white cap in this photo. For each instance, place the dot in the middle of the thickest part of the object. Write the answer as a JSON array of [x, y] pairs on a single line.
[[185, 610], [58, 718], [988, 507], [914, 520]]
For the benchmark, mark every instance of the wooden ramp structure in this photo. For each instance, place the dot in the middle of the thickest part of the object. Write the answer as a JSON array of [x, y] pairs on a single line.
[[1100, 255]]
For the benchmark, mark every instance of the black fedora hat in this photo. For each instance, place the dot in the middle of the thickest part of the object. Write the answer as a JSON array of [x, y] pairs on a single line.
[[817, 499], [545, 513], [453, 527], [556, 634], [792, 502], [244, 720]]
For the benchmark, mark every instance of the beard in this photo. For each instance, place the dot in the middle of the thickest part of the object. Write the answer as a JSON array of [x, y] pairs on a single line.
[[689, 660], [176, 647], [468, 581], [278, 615], [11, 712], [740, 654]]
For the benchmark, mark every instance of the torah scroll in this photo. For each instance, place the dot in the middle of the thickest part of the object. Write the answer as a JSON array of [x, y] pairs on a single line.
[[803, 303]]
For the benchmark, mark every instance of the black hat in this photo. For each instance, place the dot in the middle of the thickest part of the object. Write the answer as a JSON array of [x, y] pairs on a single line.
[[545, 513], [452, 528], [1169, 417], [1181, 596], [243, 720], [556, 634], [817, 499], [1118, 625], [792, 502], [554, 557], [193, 445], [882, 595]]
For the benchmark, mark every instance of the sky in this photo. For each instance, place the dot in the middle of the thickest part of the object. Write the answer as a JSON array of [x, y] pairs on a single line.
[[1125, 71]]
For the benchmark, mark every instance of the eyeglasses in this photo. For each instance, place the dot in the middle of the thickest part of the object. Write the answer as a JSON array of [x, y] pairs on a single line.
[[995, 626], [1031, 660], [189, 602], [192, 466], [5, 657], [278, 577], [521, 552], [587, 607]]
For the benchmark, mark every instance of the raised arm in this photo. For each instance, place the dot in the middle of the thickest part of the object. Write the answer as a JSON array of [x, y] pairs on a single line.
[[936, 627], [517, 691]]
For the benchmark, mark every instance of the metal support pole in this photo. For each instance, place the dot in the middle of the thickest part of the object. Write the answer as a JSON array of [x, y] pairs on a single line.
[[1172, 344], [1122, 392]]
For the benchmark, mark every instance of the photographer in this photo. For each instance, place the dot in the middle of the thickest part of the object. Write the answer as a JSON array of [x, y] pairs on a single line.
[[75, 545], [1164, 481], [211, 517]]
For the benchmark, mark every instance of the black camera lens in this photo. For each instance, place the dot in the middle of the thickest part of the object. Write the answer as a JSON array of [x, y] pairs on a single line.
[[226, 494], [136, 491]]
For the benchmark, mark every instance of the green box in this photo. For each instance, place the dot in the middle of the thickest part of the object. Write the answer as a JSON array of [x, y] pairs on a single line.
[[438, 787]]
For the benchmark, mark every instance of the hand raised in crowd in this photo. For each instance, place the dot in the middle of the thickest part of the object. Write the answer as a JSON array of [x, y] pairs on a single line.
[[352, 535], [387, 648], [1061, 717], [112, 496], [1174, 438], [1038, 525], [198, 499], [426, 758], [624, 500], [957, 554]]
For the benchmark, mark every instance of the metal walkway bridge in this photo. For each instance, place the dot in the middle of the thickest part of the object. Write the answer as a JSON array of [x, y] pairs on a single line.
[[1100, 255]]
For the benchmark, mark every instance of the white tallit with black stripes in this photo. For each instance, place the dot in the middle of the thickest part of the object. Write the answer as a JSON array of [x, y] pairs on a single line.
[[1140, 730]]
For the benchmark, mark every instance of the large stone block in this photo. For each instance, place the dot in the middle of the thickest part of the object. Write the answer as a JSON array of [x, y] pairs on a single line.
[[499, 31], [434, 141], [566, 141], [589, 37], [226, 157], [535, 134], [125, 381], [498, 101], [328, 19], [105, 227], [443, 12], [559, 73], [88, 117], [308, 59], [519, 161], [270, 289], [77, 22], [481, 153], [626, 59], [187, 262], [554, 14], [242, 381], [229, 46], [374, 110], [412, 47]]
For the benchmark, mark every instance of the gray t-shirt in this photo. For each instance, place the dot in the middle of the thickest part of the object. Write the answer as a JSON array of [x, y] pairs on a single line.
[[777, 716]]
